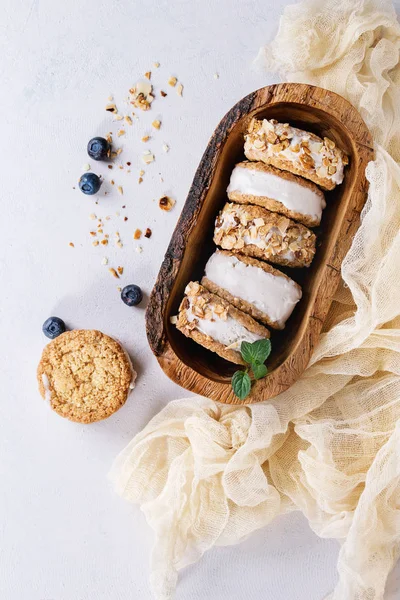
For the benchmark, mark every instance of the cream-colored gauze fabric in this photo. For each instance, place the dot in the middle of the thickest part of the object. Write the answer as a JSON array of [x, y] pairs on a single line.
[[208, 474]]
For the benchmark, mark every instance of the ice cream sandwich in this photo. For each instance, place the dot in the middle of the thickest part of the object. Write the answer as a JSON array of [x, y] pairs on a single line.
[[257, 232], [278, 191], [297, 151], [252, 286], [215, 324]]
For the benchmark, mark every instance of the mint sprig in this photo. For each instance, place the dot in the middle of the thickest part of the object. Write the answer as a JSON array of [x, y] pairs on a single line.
[[254, 355]]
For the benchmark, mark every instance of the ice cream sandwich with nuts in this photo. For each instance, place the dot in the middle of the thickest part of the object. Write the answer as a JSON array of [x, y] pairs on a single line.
[[297, 151], [278, 191], [260, 233], [215, 324], [252, 286]]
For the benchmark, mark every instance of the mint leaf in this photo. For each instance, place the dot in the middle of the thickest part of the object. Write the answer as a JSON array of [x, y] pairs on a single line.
[[259, 371], [241, 384], [255, 353]]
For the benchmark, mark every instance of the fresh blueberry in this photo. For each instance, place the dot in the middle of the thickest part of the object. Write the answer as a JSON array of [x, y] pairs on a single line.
[[98, 148], [53, 327], [89, 183], [132, 295]]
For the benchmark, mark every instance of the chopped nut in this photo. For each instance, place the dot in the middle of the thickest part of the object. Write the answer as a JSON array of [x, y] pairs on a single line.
[[93, 233], [104, 242], [156, 124], [148, 74], [125, 218], [120, 270], [172, 81], [119, 289], [141, 172], [173, 320], [141, 96], [128, 120], [118, 117], [92, 216], [166, 203], [110, 166], [118, 152], [148, 233], [331, 170], [137, 235], [86, 167], [216, 76], [329, 143], [111, 108], [140, 179], [71, 244], [120, 189], [104, 261], [148, 157], [165, 147], [95, 243], [114, 273], [121, 132], [139, 249], [145, 138], [179, 89], [119, 244], [156, 65], [163, 94]]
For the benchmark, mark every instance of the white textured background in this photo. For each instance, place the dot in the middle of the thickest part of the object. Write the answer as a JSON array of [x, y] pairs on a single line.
[[64, 534]]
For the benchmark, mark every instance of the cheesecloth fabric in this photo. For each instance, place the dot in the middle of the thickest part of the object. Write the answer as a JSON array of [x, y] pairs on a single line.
[[208, 474]]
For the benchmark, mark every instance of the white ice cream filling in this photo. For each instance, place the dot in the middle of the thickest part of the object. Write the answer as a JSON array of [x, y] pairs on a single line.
[[228, 332], [273, 295], [292, 195]]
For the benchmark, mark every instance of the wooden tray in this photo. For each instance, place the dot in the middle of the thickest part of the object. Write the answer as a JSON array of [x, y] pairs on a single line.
[[187, 363]]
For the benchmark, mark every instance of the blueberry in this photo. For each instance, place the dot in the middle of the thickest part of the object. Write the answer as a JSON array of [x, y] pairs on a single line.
[[53, 327], [132, 295], [98, 148], [89, 183]]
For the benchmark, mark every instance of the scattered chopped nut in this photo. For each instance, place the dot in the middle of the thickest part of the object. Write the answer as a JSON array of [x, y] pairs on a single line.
[[148, 75], [148, 157], [119, 289], [121, 132], [129, 164], [110, 98], [173, 320], [104, 242], [120, 270], [93, 233], [125, 218], [156, 124], [117, 213], [111, 108], [128, 120], [216, 75], [148, 233], [163, 94], [114, 273], [166, 203], [118, 152], [110, 166], [141, 172], [118, 117], [141, 95], [165, 147], [140, 179], [145, 138], [139, 249], [112, 183], [109, 138], [156, 65], [179, 89], [104, 261], [92, 216], [99, 230], [137, 235], [71, 244], [120, 189], [119, 244], [95, 243], [172, 81], [86, 167]]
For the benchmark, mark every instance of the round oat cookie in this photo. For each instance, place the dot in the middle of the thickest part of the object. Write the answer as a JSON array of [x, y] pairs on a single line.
[[85, 375]]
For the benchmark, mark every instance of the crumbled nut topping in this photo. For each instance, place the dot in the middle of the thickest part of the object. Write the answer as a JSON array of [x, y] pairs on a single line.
[[113, 272], [128, 120], [163, 94], [145, 138], [137, 235], [148, 75], [141, 95], [166, 203], [71, 244], [156, 65], [179, 89], [120, 190], [111, 108], [148, 157], [156, 124], [148, 233], [139, 249], [120, 270], [172, 81]]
